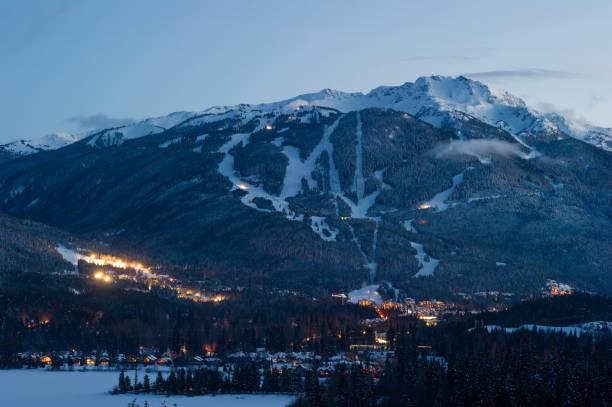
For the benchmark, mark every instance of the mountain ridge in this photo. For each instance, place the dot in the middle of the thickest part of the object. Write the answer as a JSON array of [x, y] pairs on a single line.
[[431, 98], [295, 194]]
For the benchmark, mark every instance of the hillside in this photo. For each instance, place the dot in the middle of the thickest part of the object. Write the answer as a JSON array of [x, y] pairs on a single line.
[[296, 194]]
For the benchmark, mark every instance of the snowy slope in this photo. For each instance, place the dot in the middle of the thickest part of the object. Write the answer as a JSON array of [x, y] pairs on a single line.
[[154, 125], [49, 142], [437, 100]]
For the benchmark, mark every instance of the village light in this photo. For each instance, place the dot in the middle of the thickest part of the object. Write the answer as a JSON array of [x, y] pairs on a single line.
[[242, 187], [269, 127], [99, 275], [424, 206]]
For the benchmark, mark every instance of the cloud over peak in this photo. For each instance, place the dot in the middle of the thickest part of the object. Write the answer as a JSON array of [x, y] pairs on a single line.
[[482, 149], [530, 73], [99, 121]]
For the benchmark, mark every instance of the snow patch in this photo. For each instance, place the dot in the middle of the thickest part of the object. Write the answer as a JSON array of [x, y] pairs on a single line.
[[168, 143], [408, 226], [553, 184], [427, 264], [69, 255], [16, 191], [367, 293], [438, 202], [577, 330], [321, 228]]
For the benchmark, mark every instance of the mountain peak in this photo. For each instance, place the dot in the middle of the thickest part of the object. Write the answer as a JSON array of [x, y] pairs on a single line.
[[432, 98]]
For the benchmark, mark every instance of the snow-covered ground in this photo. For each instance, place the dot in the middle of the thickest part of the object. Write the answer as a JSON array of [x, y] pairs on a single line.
[[438, 202], [69, 255], [38, 388], [368, 293], [577, 330], [433, 99], [49, 142], [428, 264]]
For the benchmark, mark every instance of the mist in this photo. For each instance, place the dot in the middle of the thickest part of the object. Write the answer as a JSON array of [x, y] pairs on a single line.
[[479, 148]]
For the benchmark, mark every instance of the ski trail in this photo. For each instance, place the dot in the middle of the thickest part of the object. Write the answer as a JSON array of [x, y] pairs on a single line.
[[298, 169], [226, 168], [427, 264], [373, 264], [359, 209], [438, 202], [354, 239], [326, 145], [292, 183], [359, 182]]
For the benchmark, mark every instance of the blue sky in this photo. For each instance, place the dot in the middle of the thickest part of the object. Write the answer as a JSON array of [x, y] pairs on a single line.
[[72, 65]]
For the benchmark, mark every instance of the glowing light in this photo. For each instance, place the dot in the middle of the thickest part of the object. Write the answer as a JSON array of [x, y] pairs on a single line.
[[114, 262], [242, 187], [269, 127], [99, 275], [424, 206]]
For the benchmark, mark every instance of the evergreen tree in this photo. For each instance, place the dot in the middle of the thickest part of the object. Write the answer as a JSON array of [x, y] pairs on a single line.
[[121, 387], [146, 384], [159, 386]]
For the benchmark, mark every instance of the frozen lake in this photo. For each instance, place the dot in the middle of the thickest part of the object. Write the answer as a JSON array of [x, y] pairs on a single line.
[[38, 388]]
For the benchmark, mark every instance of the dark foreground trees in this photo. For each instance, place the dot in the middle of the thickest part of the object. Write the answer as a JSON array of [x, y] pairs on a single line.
[[484, 369]]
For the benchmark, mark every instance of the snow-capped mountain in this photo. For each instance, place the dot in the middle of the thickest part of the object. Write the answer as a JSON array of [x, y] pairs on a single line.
[[154, 125], [48, 142], [437, 100], [443, 179]]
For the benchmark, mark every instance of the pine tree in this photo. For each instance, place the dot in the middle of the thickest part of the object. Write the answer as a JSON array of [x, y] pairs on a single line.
[[146, 384], [171, 384], [159, 385], [136, 383], [128, 384], [121, 386]]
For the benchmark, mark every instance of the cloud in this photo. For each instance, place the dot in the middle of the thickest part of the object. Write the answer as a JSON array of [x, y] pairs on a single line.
[[595, 100], [525, 74], [479, 148], [98, 121], [546, 107], [570, 113]]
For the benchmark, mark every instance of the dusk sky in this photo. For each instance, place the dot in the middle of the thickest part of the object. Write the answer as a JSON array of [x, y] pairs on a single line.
[[76, 65]]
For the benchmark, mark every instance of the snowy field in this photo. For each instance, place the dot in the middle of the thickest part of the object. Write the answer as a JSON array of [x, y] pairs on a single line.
[[38, 388]]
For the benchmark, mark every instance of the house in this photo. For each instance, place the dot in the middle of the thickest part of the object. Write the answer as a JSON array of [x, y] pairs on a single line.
[[196, 360], [165, 361]]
